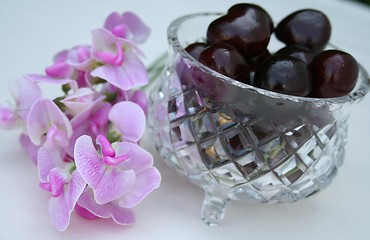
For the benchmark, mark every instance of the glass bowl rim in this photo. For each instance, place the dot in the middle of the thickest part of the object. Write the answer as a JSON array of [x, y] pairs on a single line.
[[361, 89]]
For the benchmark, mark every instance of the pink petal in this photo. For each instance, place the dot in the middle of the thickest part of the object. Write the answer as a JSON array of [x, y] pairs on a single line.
[[59, 70], [47, 160], [25, 93], [129, 119], [116, 58], [44, 114], [108, 182], [8, 118], [137, 27], [80, 58], [80, 100], [60, 56], [50, 80], [84, 116], [112, 20], [55, 137], [140, 160], [100, 117], [97, 114], [145, 183], [120, 31], [31, 149], [122, 216], [57, 178], [114, 184], [139, 97], [59, 213], [106, 147], [131, 74], [106, 47], [83, 212], [60, 208], [87, 201], [88, 162]]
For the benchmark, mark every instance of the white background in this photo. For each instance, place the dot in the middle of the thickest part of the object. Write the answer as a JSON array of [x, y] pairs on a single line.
[[31, 32]]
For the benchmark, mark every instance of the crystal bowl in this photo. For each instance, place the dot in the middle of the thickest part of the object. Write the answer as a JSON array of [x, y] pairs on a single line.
[[239, 142]]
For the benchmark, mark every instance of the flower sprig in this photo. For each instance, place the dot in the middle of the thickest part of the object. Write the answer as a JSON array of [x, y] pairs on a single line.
[[85, 142]]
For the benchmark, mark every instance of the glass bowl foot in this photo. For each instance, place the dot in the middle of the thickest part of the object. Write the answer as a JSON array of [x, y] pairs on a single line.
[[214, 207]]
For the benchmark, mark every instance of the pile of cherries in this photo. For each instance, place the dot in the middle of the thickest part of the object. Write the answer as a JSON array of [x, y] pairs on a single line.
[[236, 46]]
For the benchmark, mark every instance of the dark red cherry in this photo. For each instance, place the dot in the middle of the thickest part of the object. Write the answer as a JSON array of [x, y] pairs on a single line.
[[334, 74], [297, 51], [195, 49], [247, 27], [283, 74], [226, 60], [308, 27]]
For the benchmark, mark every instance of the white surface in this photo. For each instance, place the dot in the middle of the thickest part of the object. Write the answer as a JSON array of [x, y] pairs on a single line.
[[32, 31]]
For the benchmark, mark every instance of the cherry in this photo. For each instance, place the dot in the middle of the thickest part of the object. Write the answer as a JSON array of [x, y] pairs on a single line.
[[283, 74], [297, 51], [195, 49], [226, 60], [247, 27], [334, 74], [308, 27]]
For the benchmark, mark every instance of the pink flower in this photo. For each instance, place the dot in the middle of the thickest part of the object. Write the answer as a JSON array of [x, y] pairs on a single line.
[[56, 178], [47, 123], [121, 65], [127, 26], [66, 189], [123, 172], [69, 67], [25, 93]]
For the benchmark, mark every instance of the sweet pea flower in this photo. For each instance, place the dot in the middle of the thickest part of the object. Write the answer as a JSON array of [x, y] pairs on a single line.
[[122, 173], [25, 93], [66, 189], [127, 26], [69, 67], [121, 66], [47, 123]]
